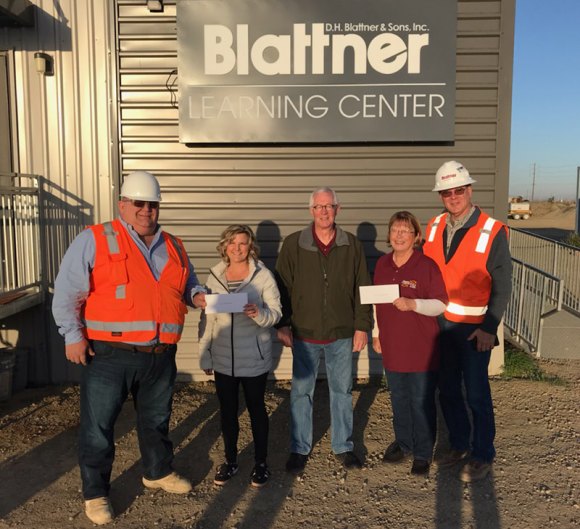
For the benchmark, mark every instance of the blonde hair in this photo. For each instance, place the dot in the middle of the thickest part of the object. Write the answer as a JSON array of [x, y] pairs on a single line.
[[229, 233]]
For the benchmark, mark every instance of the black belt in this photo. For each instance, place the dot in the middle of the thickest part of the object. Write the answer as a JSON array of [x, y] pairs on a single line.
[[157, 348]]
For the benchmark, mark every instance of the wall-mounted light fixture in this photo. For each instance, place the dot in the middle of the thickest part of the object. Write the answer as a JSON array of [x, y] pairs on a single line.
[[155, 5], [44, 63]]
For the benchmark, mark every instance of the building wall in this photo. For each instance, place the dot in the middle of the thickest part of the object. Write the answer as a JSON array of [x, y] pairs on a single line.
[[62, 130], [110, 109]]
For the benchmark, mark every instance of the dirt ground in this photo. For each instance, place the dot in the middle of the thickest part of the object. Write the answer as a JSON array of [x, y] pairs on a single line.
[[560, 215], [535, 482]]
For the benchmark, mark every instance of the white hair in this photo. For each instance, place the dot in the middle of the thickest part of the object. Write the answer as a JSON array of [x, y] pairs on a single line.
[[323, 190]]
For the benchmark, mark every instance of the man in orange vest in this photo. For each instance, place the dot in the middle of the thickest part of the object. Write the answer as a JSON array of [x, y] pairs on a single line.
[[120, 302], [472, 252]]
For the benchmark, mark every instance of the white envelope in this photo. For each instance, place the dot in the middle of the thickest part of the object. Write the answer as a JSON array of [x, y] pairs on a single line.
[[226, 302], [379, 294]]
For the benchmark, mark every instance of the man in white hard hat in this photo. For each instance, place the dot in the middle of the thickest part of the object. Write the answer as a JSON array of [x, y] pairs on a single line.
[[472, 252], [119, 301]]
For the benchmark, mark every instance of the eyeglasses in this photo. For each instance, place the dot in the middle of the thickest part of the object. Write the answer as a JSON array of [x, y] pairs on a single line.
[[401, 231], [325, 207], [143, 203], [458, 191]]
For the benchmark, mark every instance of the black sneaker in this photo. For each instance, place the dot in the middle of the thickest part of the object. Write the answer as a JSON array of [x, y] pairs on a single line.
[[259, 475], [420, 467], [394, 453], [225, 472], [349, 460], [296, 463]]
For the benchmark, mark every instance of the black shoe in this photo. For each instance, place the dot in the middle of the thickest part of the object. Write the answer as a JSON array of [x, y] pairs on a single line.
[[420, 467], [225, 472], [394, 453], [296, 463], [349, 460], [260, 475]]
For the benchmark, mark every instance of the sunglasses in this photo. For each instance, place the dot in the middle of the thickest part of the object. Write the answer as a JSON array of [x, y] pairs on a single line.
[[143, 203], [458, 191]]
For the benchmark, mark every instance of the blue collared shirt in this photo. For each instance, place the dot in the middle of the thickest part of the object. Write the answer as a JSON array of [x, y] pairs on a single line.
[[72, 284]]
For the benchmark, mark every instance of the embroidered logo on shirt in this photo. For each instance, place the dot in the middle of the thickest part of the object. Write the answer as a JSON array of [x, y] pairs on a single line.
[[411, 283]]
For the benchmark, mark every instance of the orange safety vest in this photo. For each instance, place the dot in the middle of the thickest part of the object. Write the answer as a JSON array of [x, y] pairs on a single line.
[[126, 303], [466, 277]]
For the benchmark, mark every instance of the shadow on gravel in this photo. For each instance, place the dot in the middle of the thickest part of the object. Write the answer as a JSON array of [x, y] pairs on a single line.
[[453, 496], [224, 503], [192, 460], [18, 480]]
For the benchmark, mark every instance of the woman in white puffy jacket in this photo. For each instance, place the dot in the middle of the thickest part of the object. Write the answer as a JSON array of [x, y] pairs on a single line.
[[237, 347]]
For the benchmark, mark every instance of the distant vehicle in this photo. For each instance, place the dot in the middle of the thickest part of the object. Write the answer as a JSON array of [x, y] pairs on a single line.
[[519, 208]]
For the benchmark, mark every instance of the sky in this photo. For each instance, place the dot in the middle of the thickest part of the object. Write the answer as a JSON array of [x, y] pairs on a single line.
[[546, 99]]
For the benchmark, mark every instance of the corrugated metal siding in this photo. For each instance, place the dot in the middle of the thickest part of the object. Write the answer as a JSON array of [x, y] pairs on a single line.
[[64, 132], [205, 189]]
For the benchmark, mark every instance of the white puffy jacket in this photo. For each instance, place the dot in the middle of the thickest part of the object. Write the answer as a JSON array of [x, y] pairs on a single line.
[[235, 344]]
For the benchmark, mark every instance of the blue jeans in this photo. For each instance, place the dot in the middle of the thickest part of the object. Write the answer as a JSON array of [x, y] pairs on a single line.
[[414, 412], [106, 382], [462, 364], [305, 362]]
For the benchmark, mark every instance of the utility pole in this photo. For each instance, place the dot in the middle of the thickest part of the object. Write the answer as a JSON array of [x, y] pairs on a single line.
[[578, 200], [533, 180]]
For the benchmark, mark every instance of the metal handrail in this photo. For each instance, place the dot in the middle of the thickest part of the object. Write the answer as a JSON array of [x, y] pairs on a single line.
[[535, 295], [20, 247], [553, 257]]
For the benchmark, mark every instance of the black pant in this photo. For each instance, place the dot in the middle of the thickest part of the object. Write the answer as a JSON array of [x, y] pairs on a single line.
[[227, 388]]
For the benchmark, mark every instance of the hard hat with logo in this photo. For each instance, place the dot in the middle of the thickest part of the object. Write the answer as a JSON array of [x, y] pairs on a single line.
[[450, 175], [141, 185]]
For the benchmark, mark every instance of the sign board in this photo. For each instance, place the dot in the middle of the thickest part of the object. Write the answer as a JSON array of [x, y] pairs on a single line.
[[324, 71]]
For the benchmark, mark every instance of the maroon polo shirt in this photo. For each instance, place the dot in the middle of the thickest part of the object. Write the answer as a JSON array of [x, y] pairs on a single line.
[[409, 341]]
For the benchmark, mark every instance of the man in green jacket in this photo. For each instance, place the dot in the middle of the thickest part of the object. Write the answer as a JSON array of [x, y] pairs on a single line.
[[320, 270]]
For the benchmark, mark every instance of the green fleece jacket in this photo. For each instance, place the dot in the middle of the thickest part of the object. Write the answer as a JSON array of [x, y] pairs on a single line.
[[320, 295]]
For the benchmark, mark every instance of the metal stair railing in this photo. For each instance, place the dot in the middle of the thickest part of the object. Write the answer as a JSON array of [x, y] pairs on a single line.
[[38, 221], [555, 258], [535, 295], [20, 247]]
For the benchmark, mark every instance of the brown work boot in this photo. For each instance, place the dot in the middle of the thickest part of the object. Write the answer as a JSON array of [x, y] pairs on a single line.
[[474, 471], [173, 483], [452, 457], [99, 510]]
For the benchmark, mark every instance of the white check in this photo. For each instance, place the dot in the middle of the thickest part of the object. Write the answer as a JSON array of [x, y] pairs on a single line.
[[226, 302], [379, 294]]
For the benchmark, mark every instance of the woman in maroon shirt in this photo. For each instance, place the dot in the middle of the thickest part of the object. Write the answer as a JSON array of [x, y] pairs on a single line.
[[407, 334]]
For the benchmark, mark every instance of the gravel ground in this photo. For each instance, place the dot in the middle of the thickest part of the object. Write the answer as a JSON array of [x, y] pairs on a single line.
[[535, 482]]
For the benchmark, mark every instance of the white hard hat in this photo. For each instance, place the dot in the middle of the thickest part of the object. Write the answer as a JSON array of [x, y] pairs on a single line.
[[141, 185], [450, 175]]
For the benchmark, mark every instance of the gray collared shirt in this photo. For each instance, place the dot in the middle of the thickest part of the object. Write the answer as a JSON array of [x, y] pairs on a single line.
[[453, 226]]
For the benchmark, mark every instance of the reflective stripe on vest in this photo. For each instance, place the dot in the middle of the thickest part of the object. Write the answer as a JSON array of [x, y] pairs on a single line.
[[461, 310], [111, 236], [179, 251], [171, 328], [484, 238], [434, 227], [113, 245], [121, 326]]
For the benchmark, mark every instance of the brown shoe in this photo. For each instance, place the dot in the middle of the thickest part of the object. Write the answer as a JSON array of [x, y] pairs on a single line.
[[452, 458], [99, 510], [474, 471], [173, 483]]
